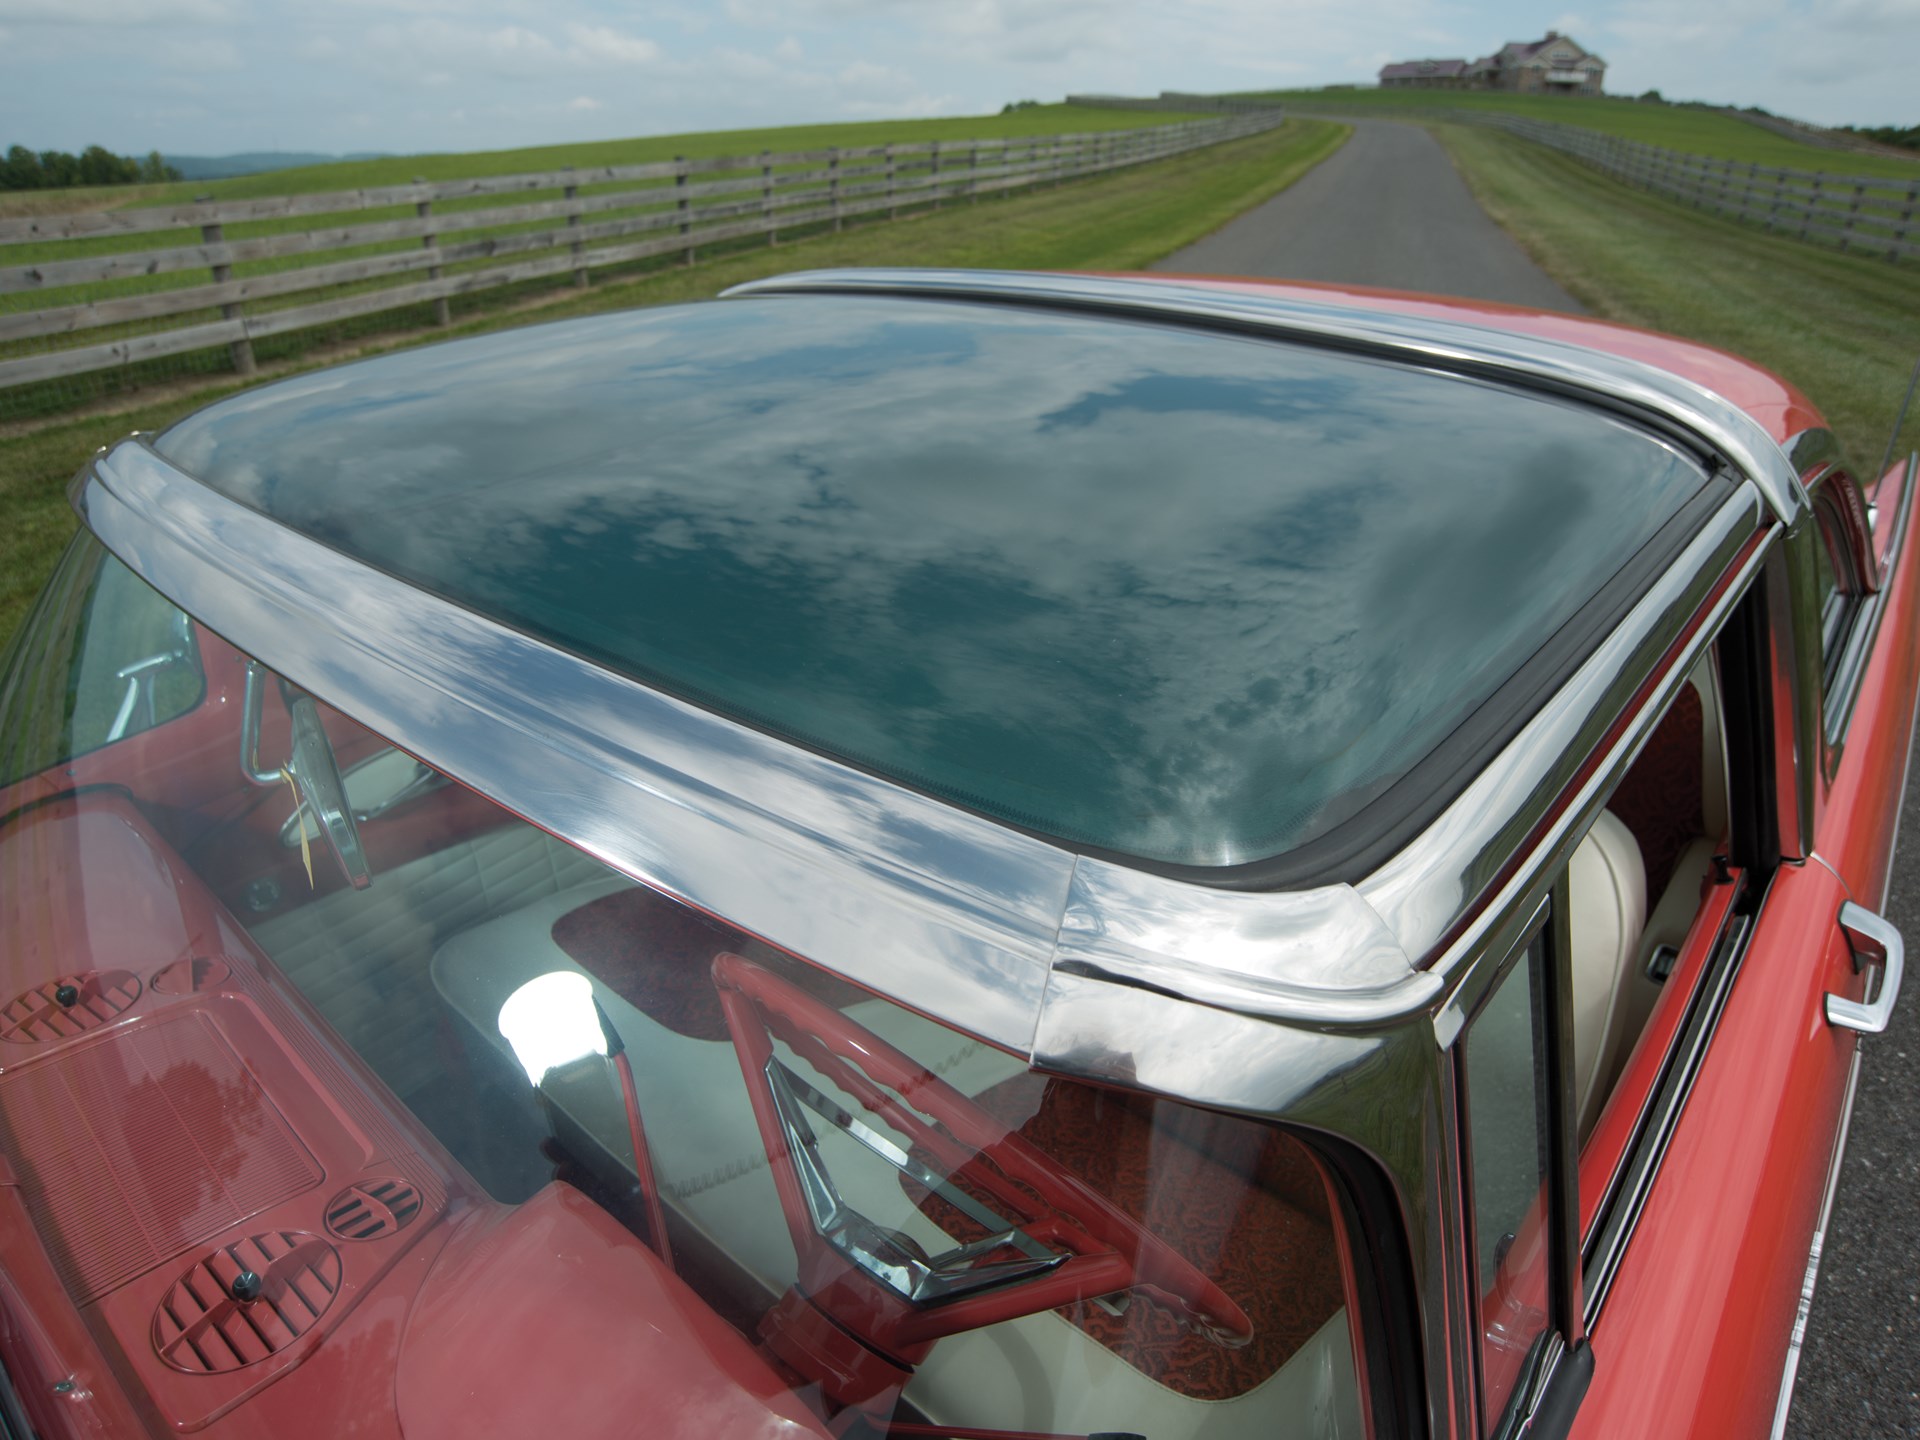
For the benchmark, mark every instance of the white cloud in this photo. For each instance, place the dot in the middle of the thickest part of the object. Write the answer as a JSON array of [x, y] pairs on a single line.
[[602, 42], [584, 102], [514, 41], [516, 67]]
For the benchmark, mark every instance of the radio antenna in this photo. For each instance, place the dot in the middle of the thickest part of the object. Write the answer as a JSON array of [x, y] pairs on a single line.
[[1898, 421]]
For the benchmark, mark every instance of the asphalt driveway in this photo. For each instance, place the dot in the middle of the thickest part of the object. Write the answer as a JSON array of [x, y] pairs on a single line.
[[1389, 209]]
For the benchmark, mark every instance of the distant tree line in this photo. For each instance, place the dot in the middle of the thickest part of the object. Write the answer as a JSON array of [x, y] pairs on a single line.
[[24, 169], [1905, 136]]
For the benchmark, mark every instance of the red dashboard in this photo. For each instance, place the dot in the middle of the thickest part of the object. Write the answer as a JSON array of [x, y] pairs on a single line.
[[263, 1245]]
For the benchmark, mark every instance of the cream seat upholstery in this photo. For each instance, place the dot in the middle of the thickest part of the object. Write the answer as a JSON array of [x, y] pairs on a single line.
[[1670, 914], [1607, 903]]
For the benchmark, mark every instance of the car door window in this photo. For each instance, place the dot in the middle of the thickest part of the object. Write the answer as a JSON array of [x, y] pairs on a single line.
[[129, 661], [1509, 1123]]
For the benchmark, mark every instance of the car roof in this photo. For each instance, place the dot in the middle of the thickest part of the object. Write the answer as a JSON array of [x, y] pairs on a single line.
[[1192, 598], [1779, 407]]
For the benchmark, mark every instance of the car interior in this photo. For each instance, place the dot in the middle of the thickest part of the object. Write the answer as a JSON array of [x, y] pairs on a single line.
[[815, 1159], [418, 972], [1636, 884]]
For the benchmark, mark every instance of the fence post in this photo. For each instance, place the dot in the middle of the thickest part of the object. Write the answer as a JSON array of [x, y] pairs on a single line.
[[893, 210], [766, 198], [1806, 215], [682, 206], [1853, 214], [833, 186], [239, 351], [442, 313], [1906, 219], [573, 223], [973, 174], [934, 171]]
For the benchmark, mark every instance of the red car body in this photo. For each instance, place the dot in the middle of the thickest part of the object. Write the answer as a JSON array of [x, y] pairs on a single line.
[[196, 1100]]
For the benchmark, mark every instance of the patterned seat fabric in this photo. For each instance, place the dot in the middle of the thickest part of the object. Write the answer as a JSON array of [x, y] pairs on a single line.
[[1243, 1201]]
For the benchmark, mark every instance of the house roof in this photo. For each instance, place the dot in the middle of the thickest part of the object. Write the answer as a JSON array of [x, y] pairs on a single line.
[[1423, 70], [1516, 52]]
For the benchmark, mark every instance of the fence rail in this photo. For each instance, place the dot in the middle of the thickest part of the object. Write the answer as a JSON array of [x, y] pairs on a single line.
[[575, 221], [1857, 212], [1870, 213]]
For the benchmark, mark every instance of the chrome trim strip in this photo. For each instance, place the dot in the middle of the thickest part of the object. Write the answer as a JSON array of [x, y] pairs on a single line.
[[1632, 1184], [1315, 955], [1421, 893], [1837, 714], [1721, 425], [814, 856], [1913, 722], [1804, 1312]]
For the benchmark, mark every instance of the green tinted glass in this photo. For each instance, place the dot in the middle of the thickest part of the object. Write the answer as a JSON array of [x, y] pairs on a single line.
[[1189, 597]]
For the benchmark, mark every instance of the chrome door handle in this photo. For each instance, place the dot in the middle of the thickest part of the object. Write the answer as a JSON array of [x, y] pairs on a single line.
[[1870, 938]]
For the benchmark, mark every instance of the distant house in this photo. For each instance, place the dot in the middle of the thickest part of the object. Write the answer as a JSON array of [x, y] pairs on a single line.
[[1558, 65], [1429, 74]]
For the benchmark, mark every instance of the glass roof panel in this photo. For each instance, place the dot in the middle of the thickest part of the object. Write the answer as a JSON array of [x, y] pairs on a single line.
[[1189, 597]]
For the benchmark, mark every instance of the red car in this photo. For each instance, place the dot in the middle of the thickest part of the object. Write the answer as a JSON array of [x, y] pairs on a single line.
[[957, 855]]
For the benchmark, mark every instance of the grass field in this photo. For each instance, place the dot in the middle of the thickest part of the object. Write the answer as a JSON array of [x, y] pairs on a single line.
[[1118, 222], [1677, 127], [1845, 328], [403, 169]]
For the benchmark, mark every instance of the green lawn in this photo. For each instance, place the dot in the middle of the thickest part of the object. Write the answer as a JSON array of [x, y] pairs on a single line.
[[1677, 127], [1123, 221], [640, 150], [1845, 328]]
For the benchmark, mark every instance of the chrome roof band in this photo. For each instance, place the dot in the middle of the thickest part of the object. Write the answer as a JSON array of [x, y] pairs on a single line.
[[819, 857], [953, 914], [1718, 424]]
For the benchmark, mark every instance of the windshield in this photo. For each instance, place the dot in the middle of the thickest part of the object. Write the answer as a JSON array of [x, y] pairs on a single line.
[[323, 1012]]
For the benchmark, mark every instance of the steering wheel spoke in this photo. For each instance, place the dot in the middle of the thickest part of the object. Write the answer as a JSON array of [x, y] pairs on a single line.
[[1033, 1236]]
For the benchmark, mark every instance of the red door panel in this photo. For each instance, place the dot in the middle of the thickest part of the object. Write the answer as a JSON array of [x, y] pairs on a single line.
[[1693, 1337]]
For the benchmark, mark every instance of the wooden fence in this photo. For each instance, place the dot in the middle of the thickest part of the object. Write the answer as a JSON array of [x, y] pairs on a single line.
[[1871, 213], [207, 288], [1874, 213]]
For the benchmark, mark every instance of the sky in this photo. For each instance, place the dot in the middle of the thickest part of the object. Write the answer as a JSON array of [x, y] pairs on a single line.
[[213, 77]]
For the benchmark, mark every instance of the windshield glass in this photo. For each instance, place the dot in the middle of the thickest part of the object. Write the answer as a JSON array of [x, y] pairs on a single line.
[[320, 1009]]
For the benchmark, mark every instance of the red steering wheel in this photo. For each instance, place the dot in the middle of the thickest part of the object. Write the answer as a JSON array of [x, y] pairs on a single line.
[[1094, 1248]]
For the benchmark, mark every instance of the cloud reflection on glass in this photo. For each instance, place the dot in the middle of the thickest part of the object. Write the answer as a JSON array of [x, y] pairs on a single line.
[[1188, 597]]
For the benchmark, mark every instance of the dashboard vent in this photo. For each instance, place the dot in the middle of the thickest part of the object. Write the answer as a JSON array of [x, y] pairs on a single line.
[[201, 1328], [372, 1209], [184, 977], [67, 1006]]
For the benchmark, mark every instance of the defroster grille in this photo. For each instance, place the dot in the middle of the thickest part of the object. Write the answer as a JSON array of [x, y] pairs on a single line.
[[372, 1209], [202, 1328], [67, 1005]]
